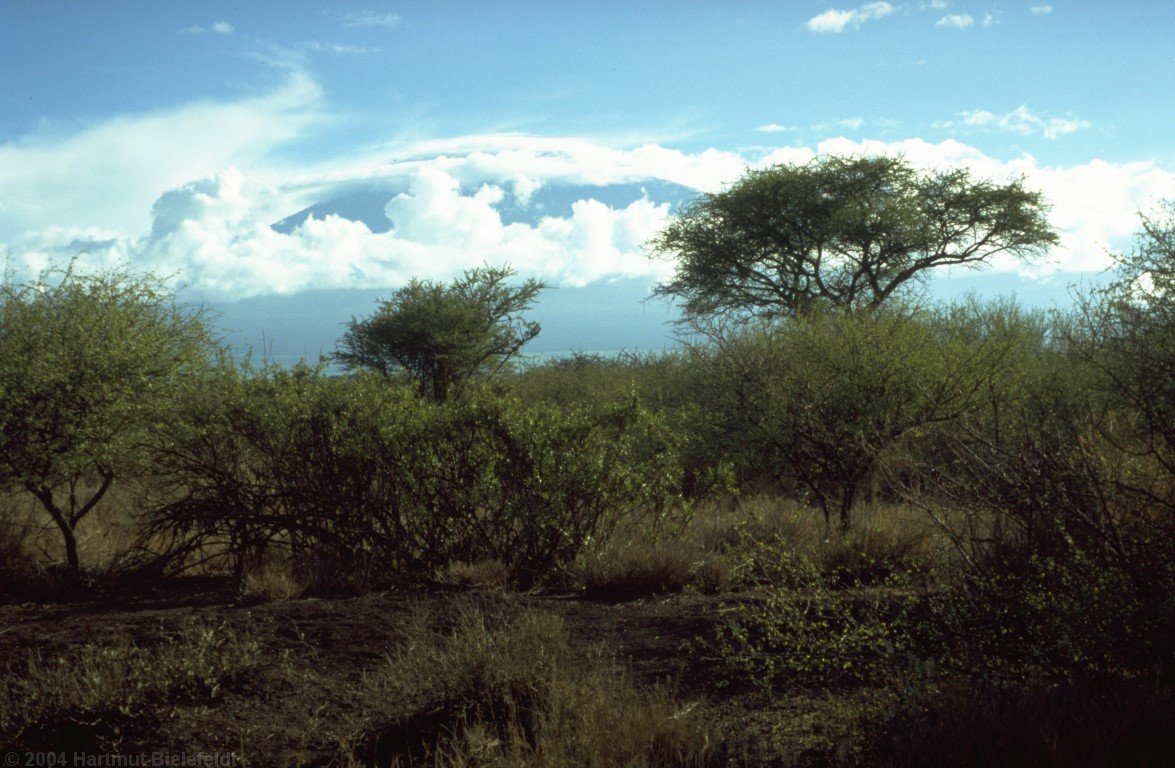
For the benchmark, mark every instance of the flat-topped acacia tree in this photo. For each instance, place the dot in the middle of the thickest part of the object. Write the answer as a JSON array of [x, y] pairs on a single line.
[[841, 232], [442, 334]]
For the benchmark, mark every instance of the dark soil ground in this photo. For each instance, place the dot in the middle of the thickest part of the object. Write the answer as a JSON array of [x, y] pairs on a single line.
[[316, 652]]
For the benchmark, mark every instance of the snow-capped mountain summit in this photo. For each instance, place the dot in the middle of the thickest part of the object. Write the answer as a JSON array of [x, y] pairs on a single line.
[[368, 203]]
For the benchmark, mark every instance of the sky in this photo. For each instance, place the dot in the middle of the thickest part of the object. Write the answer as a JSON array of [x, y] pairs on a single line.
[[170, 135]]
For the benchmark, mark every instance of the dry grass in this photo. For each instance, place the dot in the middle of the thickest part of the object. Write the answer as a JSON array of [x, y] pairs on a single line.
[[712, 575], [757, 542], [21, 572], [747, 540], [274, 580], [637, 571], [484, 574], [496, 691], [103, 698], [104, 536]]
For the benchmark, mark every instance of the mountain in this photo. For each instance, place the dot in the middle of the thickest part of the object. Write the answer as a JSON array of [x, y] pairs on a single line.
[[605, 316], [366, 203]]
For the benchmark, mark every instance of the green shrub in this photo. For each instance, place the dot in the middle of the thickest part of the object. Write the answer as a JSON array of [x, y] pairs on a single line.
[[806, 633], [364, 478], [815, 403], [89, 366], [20, 573]]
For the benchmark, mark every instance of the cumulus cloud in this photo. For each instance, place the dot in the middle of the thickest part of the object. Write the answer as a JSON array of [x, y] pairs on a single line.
[[216, 234], [371, 19], [144, 190], [956, 21], [1021, 120], [774, 128], [217, 27], [833, 21], [509, 158], [1040, 10]]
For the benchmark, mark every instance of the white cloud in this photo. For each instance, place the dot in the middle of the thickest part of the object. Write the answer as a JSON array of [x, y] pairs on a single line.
[[194, 191], [371, 19], [215, 233], [830, 21], [1022, 121], [1040, 10], [833, 21], [107, 174], [989, 19], [318, 46], [844, 124], [934, 5], [848, 123], [217, 27], [1094, 204], [956, 21]]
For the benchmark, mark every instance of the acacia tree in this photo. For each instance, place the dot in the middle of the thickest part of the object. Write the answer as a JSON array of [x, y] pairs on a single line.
[[824, 397], [847, 232], [443, 334], [88, 367], [1127, 331]]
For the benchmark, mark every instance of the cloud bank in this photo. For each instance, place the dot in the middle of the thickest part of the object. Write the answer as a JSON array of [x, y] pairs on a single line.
[[194, 191]]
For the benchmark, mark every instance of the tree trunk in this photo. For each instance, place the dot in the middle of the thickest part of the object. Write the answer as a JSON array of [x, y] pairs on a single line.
[[45, 496], [846, 505], [67, 522]]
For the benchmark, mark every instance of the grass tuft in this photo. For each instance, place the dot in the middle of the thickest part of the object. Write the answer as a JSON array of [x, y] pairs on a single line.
[[103, 698], [637, 571], [273, 581], [514, 692]]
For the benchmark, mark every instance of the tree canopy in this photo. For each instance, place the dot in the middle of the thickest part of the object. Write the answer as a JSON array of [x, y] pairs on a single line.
[[89, 365], [1127, 330], [443, 334], [846, 232]]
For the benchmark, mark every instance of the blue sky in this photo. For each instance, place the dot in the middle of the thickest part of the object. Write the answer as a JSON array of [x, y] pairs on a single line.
[[171, 134]]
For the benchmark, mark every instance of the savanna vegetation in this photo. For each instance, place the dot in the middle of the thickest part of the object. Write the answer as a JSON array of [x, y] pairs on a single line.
[[838, 525]]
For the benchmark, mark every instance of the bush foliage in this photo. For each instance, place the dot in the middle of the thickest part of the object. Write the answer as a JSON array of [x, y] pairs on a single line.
[[364, 478]]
